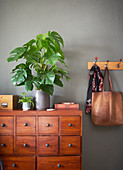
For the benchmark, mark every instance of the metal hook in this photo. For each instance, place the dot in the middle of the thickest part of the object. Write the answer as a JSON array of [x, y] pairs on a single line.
[[118, 65], [96, 58], [106, 64]]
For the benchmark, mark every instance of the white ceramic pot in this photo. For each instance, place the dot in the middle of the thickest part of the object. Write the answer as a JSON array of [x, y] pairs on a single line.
[[42, 100], [25, 106]]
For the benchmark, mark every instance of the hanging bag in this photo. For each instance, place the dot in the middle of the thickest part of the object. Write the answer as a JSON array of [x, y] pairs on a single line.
[[107, 106]]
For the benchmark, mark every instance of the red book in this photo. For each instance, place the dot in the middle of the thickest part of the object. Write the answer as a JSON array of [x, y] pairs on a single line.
[[67, 106]]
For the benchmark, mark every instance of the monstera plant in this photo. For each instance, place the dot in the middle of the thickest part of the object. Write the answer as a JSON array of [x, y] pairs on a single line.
[[44, 55]]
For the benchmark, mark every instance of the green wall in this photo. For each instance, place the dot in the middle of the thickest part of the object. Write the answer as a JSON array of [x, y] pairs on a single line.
[[90, 28]]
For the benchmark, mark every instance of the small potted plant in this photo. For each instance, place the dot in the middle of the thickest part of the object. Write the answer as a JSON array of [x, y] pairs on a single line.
[[26, 101]]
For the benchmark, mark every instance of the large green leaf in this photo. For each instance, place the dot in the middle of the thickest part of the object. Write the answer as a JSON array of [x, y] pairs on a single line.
[[12, 58], [18, 80], [57, 81], [62, 61], [40, 41], [40, 36], [22, 65], [17, 53], [53, 59], [18, 50], [47, 89], [30, 43], [67, 78], [28, 85], [32, 49], [19, 77], [54, 41], [62, 54], [48, 78], [36, 82], [37, 54], [57, 37]]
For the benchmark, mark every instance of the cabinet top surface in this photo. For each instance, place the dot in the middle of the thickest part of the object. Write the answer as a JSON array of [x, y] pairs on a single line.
[[41, 112]]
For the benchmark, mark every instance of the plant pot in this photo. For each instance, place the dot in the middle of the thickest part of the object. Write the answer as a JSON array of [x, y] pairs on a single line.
[[42, 100], [25, 106]]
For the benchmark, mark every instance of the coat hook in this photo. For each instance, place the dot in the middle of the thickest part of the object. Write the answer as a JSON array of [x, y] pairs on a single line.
[[106, 64], [118, 65], [96, 58]]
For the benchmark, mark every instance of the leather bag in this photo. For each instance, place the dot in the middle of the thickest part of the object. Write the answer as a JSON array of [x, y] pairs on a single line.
[[107, 106]]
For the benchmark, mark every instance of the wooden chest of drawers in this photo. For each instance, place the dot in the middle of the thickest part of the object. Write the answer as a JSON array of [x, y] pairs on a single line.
[[41, 140]]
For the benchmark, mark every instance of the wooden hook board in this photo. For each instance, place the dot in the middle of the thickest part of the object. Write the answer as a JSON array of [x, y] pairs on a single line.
[[110, 65]]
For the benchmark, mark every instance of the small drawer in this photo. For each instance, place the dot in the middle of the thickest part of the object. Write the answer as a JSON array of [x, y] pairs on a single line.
[[70, 125], [48, 125], [48, 145], [6, 145], [25, 125], [70, 145], [54, 163], [20, 163], [6, 125], [8, 102], [25, 145]]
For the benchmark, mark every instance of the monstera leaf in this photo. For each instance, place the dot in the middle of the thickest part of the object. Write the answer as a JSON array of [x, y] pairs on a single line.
[[19, 77]]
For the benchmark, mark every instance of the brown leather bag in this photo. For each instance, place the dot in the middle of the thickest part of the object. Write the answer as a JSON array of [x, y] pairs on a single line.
[[107, 106]]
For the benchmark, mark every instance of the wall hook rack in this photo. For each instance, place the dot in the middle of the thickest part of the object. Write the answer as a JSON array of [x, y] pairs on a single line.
[[110, 65]]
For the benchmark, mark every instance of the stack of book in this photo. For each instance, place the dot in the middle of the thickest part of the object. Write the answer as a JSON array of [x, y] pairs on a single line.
[[67, 106]]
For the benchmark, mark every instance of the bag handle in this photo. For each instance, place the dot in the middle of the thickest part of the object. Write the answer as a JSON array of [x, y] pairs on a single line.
[[109, 80]]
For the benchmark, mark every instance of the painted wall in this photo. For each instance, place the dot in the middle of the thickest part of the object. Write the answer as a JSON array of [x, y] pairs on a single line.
[[90, 28]]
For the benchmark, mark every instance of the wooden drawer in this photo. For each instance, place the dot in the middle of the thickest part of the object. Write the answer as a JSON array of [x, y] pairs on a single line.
[[48, 145], [25, 145], [70, 125], [48, 125], [20, 163], [70, 145], [6, 144], [6, 125], [54, 163], [25, 125]]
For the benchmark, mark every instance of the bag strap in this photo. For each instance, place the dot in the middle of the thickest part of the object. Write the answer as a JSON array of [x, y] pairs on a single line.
[[109, 80]]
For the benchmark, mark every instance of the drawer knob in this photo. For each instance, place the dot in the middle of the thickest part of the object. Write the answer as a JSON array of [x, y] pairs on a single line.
[[2, 144], [14, 165], [25, 145], [47, 145], [48, 125], [70, 124], [70, 145], [59, 165], [25, 124], [3, 125]]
